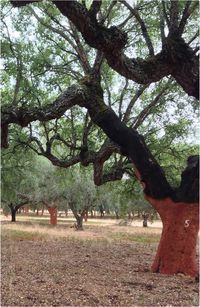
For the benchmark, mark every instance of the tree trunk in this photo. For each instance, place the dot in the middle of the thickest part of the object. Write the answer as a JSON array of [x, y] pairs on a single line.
[[53, 215], [13, 214], [117, 215], [26, 209], [86, 216], [42, 211], [79, 220], [177, 248], [145, 223], [129, 215], [145, 219]]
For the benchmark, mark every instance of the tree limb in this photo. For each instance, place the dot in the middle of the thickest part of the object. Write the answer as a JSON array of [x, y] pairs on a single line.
[[132, 102], [145, 33], [24, 115], [174, 18], [188, 10]]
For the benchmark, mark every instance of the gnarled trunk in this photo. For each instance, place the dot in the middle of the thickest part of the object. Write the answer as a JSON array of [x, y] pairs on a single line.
[[177, 248]]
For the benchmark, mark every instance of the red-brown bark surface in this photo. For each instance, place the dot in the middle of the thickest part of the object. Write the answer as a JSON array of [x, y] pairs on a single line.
[[177, 248], [53, 215]]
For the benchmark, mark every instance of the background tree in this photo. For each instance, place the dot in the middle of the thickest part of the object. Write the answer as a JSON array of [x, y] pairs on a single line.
[[79, 193], [17, 179]]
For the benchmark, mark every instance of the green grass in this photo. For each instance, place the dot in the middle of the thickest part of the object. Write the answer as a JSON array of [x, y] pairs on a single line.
[[141, 238]]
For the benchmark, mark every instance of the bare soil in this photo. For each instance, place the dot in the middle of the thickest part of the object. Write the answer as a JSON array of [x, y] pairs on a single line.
[[97, 267]]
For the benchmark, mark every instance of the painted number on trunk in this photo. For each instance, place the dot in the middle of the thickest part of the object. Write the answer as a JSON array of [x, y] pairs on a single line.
[[187, 223]]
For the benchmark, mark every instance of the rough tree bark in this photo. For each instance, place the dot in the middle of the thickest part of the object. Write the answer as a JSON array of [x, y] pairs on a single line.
[[177, 248], [178, 207]]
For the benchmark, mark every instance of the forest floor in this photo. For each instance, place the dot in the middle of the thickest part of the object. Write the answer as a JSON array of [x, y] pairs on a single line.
[[104, 265]]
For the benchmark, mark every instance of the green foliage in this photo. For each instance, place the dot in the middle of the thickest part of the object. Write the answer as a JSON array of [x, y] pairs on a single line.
[[17, 174]]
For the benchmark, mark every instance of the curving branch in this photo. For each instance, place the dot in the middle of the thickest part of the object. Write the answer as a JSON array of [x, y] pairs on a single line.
[[132, 102], [113, 175], [95, 8], [20, 3], [80, 50], [145, 33], [145, 112], [24, 115], [190, 6]]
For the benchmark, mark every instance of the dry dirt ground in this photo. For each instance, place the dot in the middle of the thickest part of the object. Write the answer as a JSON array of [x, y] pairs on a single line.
[[101, 266]]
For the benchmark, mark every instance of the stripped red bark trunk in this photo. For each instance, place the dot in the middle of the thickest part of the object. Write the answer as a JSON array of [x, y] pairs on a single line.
[[53, 215], [177, 248]]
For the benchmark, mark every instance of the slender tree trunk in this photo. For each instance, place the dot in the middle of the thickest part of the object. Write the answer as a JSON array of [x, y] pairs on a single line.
[[13, 214], [108, 211], [177, 248], [117, 215], [42, 211], [145, 219], [86, 216]]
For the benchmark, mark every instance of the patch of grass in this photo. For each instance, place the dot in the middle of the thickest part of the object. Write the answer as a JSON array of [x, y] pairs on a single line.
[[141, 238], [15, 234]]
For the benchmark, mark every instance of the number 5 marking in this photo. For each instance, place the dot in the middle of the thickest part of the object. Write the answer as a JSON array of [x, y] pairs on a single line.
[[187, 223]]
